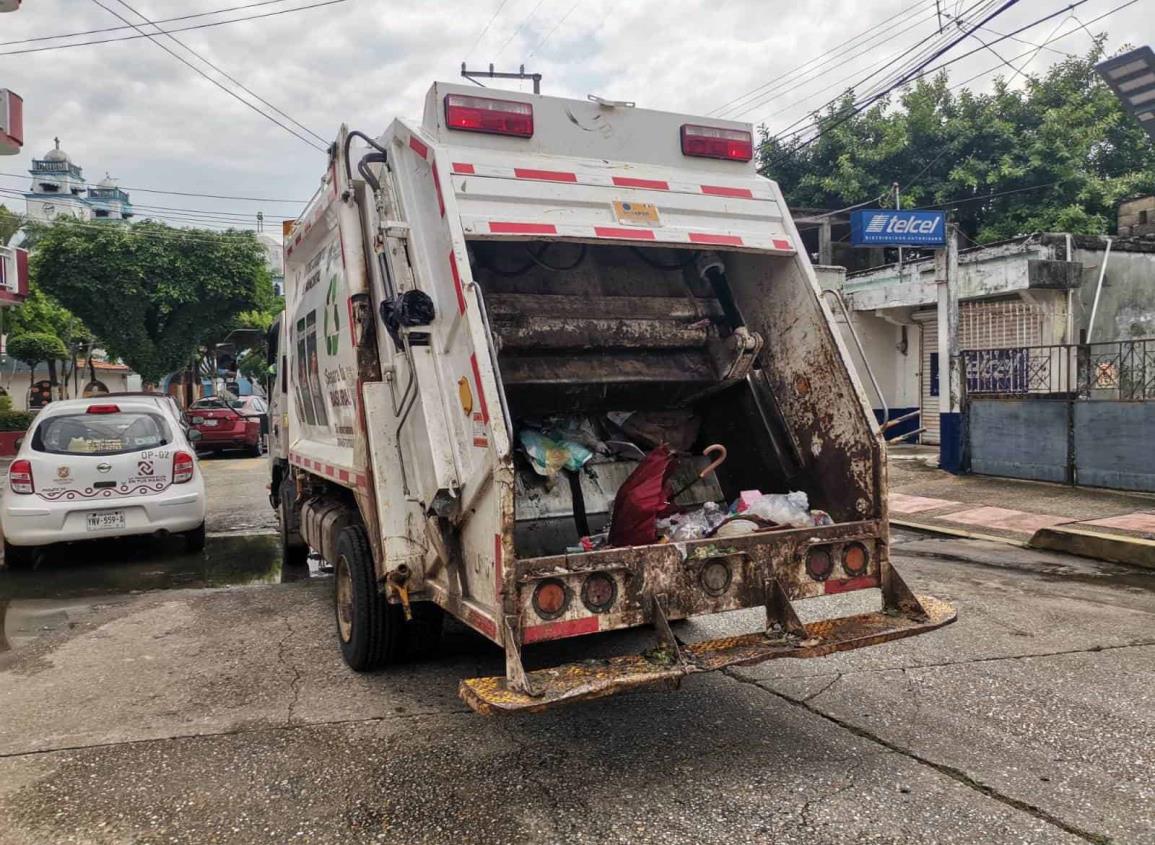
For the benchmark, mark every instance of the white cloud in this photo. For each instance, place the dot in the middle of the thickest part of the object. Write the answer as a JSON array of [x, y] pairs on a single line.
[[134, 110]]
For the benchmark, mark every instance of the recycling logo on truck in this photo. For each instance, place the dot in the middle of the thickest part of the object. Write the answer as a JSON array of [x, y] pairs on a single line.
[[332, 318]]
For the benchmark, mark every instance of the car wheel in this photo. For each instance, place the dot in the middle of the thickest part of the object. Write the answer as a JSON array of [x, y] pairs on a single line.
[[294, 552], [195, 539], [255, 451], [369, 629], [20, 557]]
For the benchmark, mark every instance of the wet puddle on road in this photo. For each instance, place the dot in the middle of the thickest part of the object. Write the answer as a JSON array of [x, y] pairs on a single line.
[[72, 581]]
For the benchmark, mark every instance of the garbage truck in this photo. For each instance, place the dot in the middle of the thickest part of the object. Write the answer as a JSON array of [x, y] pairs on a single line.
[[560, 367]]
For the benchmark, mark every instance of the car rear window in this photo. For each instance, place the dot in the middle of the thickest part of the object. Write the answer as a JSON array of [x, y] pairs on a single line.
[[101, 434]]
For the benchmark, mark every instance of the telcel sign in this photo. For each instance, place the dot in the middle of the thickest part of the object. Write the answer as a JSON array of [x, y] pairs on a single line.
[[873, 227]]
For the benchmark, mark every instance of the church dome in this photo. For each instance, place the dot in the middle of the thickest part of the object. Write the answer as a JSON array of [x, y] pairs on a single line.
[[107, 182], [57, 154]]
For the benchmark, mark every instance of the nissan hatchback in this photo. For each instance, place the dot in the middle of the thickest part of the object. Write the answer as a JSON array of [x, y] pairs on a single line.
[[91, 468]]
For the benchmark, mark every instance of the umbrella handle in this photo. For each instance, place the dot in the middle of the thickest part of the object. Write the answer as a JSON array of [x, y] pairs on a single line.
[[717, 462]]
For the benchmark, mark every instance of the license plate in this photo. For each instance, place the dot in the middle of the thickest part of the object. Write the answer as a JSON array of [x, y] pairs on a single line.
[[211, 423], [105, 520]]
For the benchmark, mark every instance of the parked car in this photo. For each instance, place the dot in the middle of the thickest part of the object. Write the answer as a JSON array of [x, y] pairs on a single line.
[[163, 401], [93, 468], [229, 423]]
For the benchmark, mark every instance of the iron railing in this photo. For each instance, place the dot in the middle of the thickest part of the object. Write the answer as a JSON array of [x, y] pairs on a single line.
[[1119, 370]]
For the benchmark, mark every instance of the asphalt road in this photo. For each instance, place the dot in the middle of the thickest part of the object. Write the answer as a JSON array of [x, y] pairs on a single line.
[[212, 706]]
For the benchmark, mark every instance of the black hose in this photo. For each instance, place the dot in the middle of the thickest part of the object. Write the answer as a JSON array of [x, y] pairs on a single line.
[[540, 261], [658, 265], [349, 142]]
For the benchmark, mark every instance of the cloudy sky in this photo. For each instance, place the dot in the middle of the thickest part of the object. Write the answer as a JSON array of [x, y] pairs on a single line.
[[131, 108]]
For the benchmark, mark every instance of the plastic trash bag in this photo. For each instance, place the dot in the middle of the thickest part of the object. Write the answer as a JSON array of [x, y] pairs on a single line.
[[642, 498], [547, 456], [784, 509], [692, 525]]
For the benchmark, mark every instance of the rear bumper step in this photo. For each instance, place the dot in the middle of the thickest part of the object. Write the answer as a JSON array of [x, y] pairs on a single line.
[[661, 668]]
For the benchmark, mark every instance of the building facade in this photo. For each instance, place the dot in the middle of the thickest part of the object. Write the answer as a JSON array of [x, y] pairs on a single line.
[[58, 189], [1033, 291]]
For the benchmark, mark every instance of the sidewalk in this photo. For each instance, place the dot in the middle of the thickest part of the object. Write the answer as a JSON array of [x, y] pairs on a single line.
[[1103, 524]]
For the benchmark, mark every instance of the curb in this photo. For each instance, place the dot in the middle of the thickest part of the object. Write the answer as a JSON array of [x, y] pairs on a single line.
[[961, 532], [1133, 551]]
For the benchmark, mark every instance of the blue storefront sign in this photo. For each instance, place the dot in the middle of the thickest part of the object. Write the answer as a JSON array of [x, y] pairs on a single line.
[[881, 227]]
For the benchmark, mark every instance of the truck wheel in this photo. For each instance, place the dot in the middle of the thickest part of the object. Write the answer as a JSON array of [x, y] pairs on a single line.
[[294, 552], [369, 629], [20, 557]]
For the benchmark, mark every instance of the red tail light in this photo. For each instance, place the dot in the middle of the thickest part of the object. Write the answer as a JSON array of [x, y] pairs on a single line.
[[20, 477], [480, 114], [104, 409], [715, 142], [183, 465]]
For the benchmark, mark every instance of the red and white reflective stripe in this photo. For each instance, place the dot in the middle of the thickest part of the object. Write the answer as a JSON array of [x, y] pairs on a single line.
[[457, 288], [755, 189], [342, 475], [302, 228], [749, 240], [418, 146], [560, 629]]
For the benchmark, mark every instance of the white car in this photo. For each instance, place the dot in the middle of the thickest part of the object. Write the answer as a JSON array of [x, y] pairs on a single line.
[[101, 467]]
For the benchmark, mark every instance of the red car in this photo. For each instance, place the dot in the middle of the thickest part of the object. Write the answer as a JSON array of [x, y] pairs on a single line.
[[228, 423]]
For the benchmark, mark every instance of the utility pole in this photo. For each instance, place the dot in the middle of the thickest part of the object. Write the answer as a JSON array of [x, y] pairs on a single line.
[[898, 207], [949, 364]]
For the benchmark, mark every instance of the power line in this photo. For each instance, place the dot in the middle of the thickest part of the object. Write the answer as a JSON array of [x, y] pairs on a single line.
[[185, 193], [520, 27], [485, 28], [835, 52], [923, 70], [227, 76], [200, 72], [178, 29], [119, 28], [564, 18]]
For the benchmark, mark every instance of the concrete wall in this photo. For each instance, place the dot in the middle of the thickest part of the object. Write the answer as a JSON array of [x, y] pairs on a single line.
[[1137, 216], [17, 383], [1091, 443], [1127, 303]]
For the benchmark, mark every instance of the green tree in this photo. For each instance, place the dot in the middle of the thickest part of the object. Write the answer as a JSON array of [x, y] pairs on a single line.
[[153, 294], [1057, 155], [41, 313], [34, 347], [10, 223]]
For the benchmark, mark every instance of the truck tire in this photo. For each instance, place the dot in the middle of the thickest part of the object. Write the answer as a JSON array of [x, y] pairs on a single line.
[[369, 629], [294, 552]]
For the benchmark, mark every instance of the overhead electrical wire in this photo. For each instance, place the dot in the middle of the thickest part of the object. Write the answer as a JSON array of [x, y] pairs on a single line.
[[921, 71], [227, 76], [175, 29], [834, 57], [547, 36], [185, 193], [520, 27], [485, 28], [201, 73]]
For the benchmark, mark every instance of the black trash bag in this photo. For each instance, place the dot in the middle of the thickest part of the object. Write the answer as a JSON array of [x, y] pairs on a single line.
[[412, 308]]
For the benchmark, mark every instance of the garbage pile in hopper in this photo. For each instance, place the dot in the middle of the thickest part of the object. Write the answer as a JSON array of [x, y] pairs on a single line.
[[644, 511]]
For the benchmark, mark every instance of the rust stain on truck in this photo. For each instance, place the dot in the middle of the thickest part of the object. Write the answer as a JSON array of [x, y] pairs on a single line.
[[491, 284]]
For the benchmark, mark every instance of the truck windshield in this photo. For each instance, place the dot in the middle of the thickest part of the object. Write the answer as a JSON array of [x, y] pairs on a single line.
[[101, 434]]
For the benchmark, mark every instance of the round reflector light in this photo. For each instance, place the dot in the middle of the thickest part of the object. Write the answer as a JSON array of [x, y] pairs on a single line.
[[550, 598], [599, 592], [854, 559], [715, 577], [819, 565]]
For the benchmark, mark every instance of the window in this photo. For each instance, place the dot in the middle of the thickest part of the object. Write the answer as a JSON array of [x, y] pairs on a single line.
[[1143, 217], [100, 212], [934, 374], [101, 434]]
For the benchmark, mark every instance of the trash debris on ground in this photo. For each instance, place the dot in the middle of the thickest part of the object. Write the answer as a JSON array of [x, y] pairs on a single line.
[[692, 525]]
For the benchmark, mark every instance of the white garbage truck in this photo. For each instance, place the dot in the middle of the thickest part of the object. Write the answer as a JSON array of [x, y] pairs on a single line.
[[561, 367]]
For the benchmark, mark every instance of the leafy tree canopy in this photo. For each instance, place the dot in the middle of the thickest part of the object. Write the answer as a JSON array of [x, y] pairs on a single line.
[[34, 347], [153, 294], [9, 224], [41, 313], [1057, 155]]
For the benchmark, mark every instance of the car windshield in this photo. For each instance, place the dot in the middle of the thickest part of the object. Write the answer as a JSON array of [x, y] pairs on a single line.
[[216, 402], [101, 434]]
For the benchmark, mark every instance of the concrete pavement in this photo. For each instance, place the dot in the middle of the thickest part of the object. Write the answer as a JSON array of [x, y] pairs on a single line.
[[1102, 524], [200, 715]]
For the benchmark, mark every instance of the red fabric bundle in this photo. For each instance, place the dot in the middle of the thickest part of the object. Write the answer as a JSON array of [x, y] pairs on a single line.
[[642, 498]]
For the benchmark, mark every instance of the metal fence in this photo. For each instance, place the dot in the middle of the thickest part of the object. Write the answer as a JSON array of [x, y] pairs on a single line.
[[1117, 370]]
